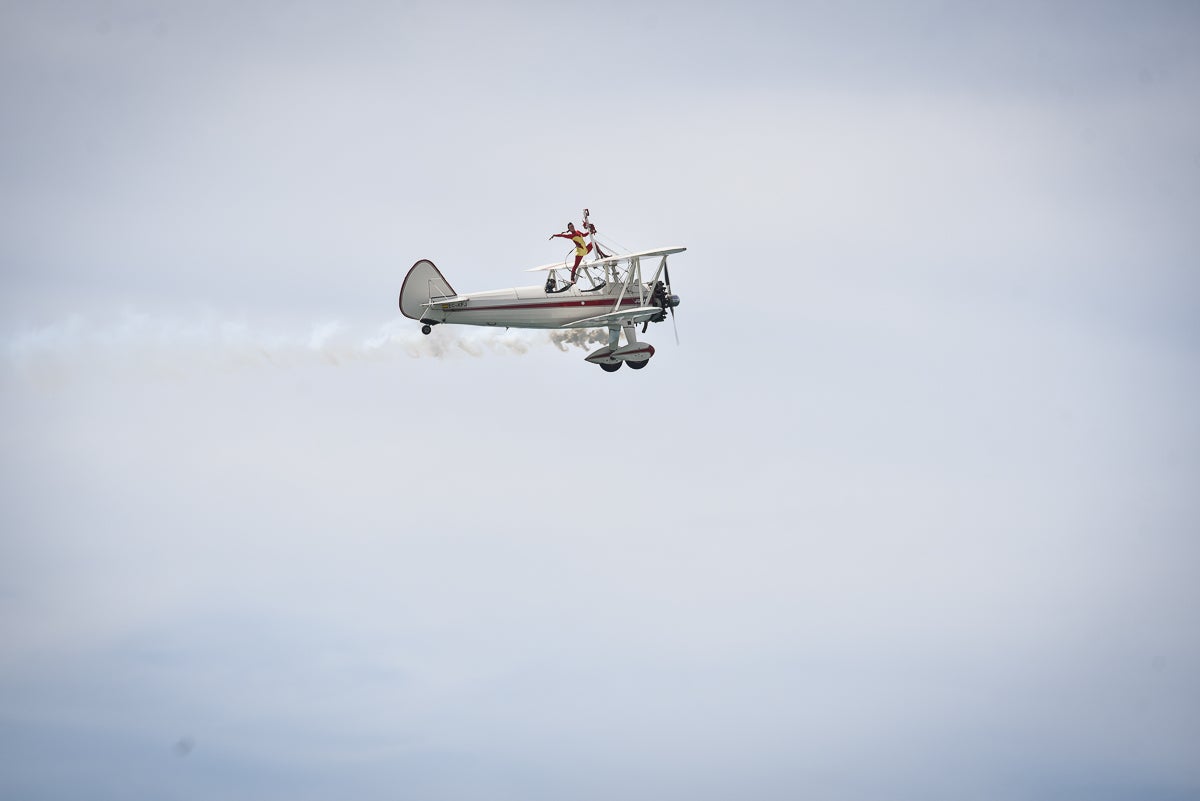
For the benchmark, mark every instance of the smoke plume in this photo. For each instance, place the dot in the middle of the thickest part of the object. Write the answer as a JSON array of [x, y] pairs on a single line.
[[143, 344], [579, 337]]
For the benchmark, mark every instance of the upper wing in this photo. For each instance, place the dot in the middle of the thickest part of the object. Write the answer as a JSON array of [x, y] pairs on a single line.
[[610, 260], [558, 265]]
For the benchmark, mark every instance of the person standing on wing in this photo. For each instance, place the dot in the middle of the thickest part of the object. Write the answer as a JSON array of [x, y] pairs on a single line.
[[582, 246]]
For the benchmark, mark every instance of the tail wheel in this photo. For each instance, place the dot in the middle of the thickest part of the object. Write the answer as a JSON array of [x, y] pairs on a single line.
[[425, 329], [610, 368], [638, 365]]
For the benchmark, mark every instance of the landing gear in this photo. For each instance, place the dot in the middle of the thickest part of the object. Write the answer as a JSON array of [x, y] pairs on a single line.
[[612, 356], [425, 330]]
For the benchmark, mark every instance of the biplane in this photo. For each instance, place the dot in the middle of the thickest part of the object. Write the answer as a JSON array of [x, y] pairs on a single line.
[[619, 295]]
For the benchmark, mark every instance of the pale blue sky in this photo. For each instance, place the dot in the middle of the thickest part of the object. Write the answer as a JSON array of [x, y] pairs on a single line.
[[909, 513]]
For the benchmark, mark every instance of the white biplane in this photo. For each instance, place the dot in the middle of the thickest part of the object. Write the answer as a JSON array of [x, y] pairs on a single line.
[[619, 297]]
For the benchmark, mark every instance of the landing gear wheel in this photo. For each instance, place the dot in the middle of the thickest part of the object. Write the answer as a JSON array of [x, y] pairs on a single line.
[[425, 329], [638, 365], [610, 368]]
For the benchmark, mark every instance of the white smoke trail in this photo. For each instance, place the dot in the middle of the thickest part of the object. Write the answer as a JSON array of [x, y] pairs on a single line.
[[168, 347], [579, 337]]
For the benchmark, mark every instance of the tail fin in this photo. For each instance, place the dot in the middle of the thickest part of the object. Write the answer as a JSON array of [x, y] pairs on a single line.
[[423, 283]]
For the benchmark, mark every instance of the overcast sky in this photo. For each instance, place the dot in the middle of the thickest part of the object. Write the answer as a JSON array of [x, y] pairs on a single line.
[[910, 513]]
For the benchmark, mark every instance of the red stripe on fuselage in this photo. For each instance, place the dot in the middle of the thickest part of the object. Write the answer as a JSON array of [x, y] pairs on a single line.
[[560, 304]]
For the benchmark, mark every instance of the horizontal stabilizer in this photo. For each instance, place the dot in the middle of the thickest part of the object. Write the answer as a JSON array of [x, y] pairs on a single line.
[[446, 303]]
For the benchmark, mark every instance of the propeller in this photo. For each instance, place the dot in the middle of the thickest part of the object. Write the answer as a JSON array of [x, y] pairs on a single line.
[[663, 298], [671, 300]]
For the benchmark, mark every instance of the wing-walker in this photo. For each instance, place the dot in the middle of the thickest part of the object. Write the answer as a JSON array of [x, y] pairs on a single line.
[[623, 291]]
